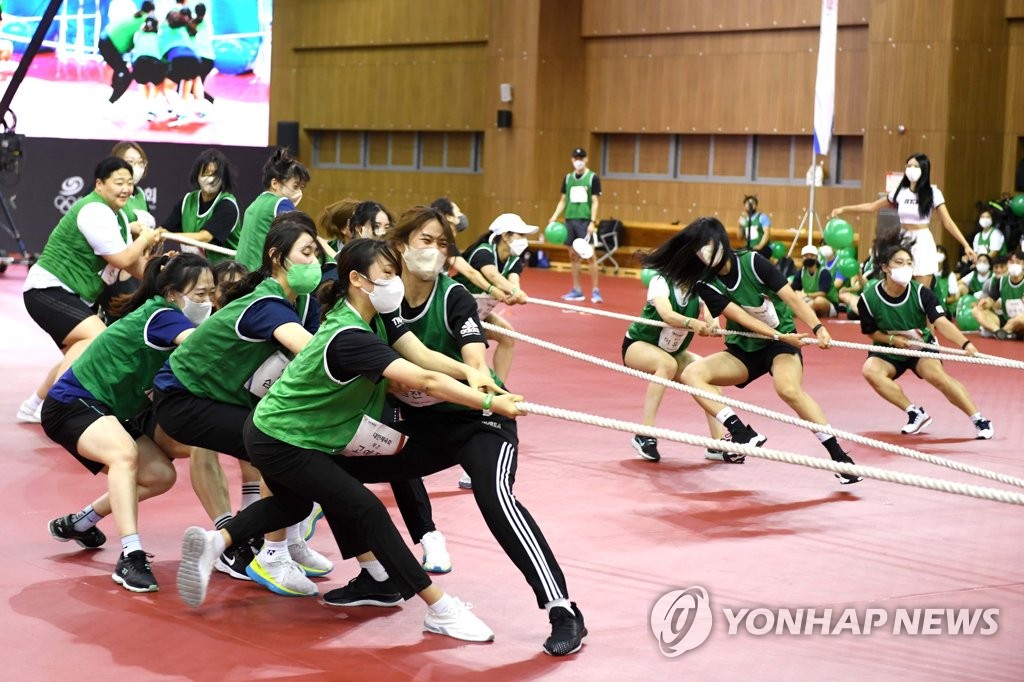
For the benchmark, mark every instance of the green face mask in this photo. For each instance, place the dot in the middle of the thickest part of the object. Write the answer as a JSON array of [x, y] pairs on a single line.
[[303, 278]]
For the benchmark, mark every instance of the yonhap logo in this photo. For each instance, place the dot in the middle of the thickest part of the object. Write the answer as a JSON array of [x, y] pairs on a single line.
[[681, 620]]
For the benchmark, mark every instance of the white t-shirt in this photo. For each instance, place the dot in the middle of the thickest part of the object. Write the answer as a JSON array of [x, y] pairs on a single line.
[[995, 240], [100, 227], [659, 287], [906, 206]]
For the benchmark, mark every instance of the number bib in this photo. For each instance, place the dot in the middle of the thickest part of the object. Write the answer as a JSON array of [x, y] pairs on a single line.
[[670, 339], [266, 374], [1014, 307], [765, 313], [374, 438]]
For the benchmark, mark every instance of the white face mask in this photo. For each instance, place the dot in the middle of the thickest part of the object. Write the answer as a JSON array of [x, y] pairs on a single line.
[[913, 173], [941, 257], [902, 275], [425, 264], [137, 173], [210, 184], [579, 164], [1014, 270], [387, 294], [982, 268], [196, 312], [709, 256], [518, 245], [985, 223]]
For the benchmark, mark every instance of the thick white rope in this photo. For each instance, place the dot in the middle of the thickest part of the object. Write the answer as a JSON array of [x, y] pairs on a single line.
[[892, 350], [927, 482], [961, 356], [764, 412], [202, 245]]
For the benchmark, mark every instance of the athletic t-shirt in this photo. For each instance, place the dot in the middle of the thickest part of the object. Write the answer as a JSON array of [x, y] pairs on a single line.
[[906, 206]]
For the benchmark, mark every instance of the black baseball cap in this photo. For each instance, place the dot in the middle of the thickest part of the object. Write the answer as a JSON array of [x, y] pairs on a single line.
[[579, 153]]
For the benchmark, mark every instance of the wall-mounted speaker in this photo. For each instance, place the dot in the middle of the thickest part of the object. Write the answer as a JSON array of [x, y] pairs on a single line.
[[504, 118], [288, 136]]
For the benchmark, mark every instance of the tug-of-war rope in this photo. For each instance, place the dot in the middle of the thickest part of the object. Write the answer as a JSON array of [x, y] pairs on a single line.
[[980, 492], [756, 409], [929, 350]]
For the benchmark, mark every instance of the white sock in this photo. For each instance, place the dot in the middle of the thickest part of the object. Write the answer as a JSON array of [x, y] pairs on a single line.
[[375, 569], [976, 416], [130, 543], [271, 548], [292, 533], [724, 414], [250, 492], [221, 521], [441, 606], [33, 402], [86, 519], [912, 408], [564, 603], [822, 437]]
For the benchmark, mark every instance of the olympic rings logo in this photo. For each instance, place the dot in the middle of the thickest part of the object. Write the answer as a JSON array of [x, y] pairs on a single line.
[[64, 203]]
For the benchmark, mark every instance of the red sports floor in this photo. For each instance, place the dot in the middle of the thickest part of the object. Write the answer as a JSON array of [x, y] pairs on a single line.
[[626, 531]]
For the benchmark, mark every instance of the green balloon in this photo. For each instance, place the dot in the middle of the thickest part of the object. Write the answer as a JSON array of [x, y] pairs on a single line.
[[778, 249], [1017, 205], [556, 233], [646, 275], [965, 303], [847, 267], [838, 233], [847, 252]]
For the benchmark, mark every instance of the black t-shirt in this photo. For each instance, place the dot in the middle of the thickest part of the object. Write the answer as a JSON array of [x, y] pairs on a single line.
[[460, 312], [767, 274], [357, 352], [929, 303]]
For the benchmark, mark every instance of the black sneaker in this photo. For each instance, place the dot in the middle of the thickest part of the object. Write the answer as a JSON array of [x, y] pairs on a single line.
[[234, 560], [744, 435], [846, 479], [722, 456], [133, 572], [363, 590], [62, 529], [647, 448], [568, 632], [1002, 334]]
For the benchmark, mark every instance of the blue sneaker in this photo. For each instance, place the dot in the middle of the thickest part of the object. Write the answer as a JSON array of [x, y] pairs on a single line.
[[595, 297], [574, 295]]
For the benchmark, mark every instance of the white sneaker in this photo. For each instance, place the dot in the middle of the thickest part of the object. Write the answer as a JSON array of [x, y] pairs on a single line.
[[279, 574], [312, 562], [465, 482], [308, 525], [435, 553], [28, 415], [199, 550], [458, 623], [916, 420]]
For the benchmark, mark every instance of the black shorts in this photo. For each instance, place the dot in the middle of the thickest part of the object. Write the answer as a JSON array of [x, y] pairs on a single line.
[[205, 67], [201, 422], [184, 68], [57, 311], [902, 363], [759, 362], [149, 70], [64, 424], [576, 229]]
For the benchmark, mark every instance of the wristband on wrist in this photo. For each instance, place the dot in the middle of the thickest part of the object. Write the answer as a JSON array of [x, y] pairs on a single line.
[[891, 337], [775, 337], [515, 290], [816, 327], [488, 399], [966, 343], [490, 289], [686, 322]]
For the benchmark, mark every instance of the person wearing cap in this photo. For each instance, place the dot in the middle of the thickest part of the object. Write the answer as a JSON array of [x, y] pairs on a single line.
[[754, 227], [580, 191], [815, 282], [497, 256]]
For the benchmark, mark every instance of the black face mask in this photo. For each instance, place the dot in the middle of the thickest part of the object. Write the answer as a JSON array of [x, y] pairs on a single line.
[[463, 223], [810, 262]]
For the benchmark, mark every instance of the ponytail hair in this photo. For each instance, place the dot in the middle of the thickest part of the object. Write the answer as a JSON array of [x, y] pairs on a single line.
[[162, 274], [358, 255], [282, 166], [284, 231], [889, 240]]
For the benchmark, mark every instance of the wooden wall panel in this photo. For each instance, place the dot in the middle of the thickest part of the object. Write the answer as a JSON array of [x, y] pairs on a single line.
[[648, 17], [1014, 107]]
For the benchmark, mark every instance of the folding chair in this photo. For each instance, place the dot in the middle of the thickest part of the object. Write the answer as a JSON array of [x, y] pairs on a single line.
[[608, 242]]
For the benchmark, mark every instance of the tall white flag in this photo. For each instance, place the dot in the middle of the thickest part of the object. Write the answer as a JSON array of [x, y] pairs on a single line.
[[825, 84]]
